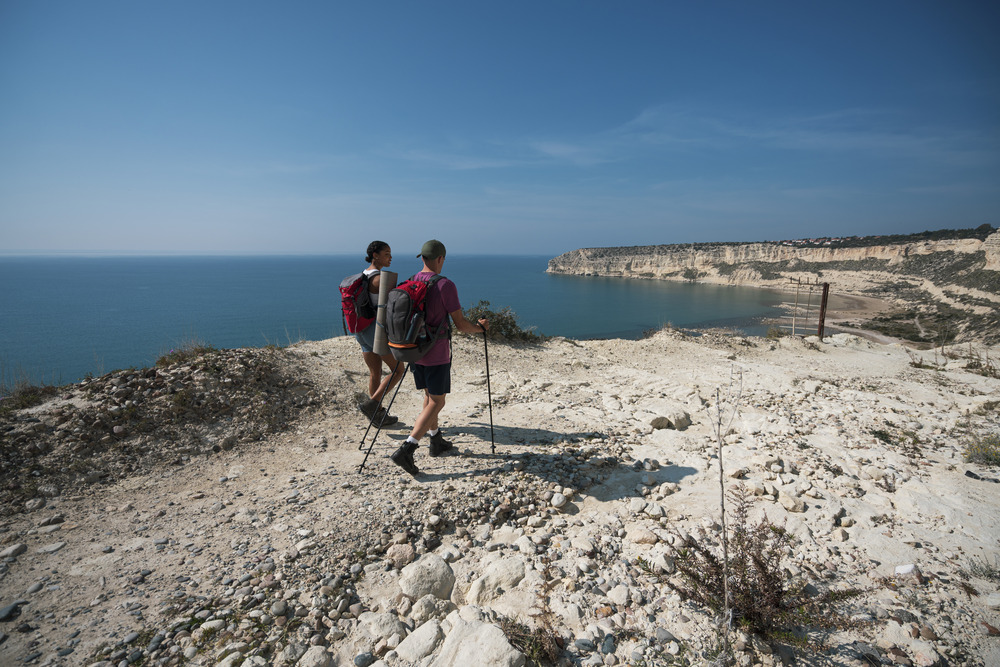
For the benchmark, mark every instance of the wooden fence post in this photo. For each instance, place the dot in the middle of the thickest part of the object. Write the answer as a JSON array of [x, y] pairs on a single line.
[[822, 310]]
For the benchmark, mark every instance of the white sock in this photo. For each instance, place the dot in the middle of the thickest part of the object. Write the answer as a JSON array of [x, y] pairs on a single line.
[[433, 433], [410, 439]]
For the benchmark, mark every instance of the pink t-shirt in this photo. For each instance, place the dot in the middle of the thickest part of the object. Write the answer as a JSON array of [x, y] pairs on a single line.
[[441, 300]]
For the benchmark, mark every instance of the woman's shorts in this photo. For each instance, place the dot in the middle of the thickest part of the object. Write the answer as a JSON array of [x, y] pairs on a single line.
[[366, 338], [435, 379]]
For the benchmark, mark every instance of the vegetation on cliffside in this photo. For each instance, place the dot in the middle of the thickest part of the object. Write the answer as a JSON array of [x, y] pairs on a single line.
[[979, 233]]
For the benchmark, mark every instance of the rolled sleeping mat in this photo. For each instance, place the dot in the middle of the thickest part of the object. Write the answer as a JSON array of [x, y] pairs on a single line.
[[386, 282]]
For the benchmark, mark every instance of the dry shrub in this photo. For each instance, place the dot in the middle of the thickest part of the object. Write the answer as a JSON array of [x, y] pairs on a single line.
[[763, 597], [184, 353], [984, 449], [541, 644]]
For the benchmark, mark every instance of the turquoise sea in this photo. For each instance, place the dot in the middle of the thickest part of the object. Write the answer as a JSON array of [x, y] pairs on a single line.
[[64, 317]]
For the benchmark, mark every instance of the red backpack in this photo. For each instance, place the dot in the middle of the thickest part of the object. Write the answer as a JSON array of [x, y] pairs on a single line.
[[356, 302]]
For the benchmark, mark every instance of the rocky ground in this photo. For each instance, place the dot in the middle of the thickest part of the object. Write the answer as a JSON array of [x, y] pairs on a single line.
[[212, 511]]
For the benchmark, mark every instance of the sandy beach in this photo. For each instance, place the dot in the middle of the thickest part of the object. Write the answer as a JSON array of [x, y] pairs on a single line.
[[212, 549]]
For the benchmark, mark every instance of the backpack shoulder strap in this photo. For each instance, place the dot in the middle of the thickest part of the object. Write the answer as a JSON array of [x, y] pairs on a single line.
[[445, 325]]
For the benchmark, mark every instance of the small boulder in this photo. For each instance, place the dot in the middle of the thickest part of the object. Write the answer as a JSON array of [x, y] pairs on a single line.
[[498, 578], [477, 643], [316, 656], [909, 573], [677, 420], [381, 626], [791, 503], [401, 555], [428, 575], [421, 642]]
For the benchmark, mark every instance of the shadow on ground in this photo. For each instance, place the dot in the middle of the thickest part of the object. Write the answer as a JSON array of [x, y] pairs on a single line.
[[618, 480]]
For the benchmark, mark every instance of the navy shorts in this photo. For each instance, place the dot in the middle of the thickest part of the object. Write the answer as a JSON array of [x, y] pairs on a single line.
[[435, 379]]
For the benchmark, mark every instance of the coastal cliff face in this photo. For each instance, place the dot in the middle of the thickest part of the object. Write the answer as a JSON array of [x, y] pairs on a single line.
[[991, 246], [674, 261], [957, 279]]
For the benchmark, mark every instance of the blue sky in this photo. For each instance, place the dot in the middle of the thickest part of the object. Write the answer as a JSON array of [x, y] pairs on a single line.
[[499, 127]]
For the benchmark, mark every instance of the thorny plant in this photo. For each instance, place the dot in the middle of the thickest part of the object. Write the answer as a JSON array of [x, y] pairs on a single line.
[[980, 363], [542, 644], [752, 588], [977, 361], [745, 585], [981, 568], [725, 410]]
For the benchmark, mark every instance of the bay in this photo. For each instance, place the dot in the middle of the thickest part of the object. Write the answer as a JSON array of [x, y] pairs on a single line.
[[64, 317]]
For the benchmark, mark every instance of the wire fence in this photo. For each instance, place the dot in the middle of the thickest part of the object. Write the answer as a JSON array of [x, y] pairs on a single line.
[[805, 307]]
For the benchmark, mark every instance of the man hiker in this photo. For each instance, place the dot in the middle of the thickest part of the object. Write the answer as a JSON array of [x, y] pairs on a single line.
[[432, 373], [379, 256]]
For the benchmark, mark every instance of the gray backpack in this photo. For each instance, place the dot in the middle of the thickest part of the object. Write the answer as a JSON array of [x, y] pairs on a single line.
[[406, 329]]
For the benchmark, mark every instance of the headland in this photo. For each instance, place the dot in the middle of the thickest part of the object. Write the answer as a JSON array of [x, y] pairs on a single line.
[[928, 288]]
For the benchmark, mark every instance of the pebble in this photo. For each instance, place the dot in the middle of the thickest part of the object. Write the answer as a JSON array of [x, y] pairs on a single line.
[[12, 610], [13, 551]]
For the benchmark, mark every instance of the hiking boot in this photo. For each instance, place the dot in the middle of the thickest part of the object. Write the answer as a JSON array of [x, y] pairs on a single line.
[[403, 457], [376, 415], [440, 446], [383, 418]]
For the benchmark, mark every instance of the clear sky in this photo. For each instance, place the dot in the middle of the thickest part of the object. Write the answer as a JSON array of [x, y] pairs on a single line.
[[511, 126]]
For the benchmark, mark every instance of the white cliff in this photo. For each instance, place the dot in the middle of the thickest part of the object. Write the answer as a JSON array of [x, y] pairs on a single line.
[[957, 280]]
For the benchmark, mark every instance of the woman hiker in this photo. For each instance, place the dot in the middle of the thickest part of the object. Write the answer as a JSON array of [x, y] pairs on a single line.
[[379, 256]]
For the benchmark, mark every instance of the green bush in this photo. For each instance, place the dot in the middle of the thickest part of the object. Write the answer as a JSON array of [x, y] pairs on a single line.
[[774, 332], [502, 323], [649, 333], [984, 450], [23, 396], [184, 353]]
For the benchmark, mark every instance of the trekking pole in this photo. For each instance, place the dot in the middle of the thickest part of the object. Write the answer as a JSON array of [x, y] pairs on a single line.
[[372, 445], [379, 406], [489, 392]]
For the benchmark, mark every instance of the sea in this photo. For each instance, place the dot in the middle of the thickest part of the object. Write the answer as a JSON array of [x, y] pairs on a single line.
[[63, 318]]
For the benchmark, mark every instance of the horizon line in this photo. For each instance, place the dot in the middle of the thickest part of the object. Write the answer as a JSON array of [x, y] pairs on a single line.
[[116, 253]]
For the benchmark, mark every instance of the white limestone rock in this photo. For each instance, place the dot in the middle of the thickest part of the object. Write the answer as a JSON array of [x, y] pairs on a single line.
[[429, 607], [421, 642], [477, 643], [316, 656], [430, 574], [381, 625], [498, 578], [791, 503]]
